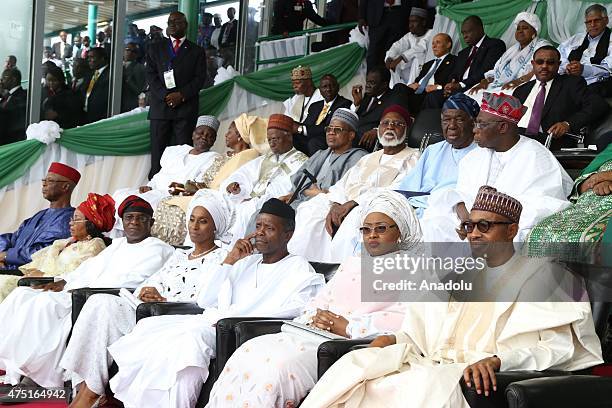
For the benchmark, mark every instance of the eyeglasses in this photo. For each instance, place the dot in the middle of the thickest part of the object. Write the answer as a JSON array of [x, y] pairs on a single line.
[[482, 225], [335, 129], [379, 229], [546, 61], [594, 21], [482, 125], [394, 123], [128, 218], [46, 181], [77, 220]]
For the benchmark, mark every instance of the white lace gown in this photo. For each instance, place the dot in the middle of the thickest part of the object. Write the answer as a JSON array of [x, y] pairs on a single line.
[[106, 318]]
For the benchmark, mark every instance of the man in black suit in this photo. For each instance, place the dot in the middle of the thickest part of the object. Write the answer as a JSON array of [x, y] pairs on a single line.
[[227, 38], [12, 107], [387, 22], [61, 49], [378, 97], [289, 16], [434, 73], [176, 71], [96, 92], [473, 61], [310, 136], [133, 77], [559, 103]]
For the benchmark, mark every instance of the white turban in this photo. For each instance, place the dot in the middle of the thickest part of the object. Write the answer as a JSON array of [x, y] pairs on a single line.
[[397, 207], [530, 18], [221, 210]]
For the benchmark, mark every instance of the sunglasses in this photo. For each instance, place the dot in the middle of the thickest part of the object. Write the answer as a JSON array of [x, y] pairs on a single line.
[[335, 129], [379, 229], [394, 123], [547, 61], [482, 225]]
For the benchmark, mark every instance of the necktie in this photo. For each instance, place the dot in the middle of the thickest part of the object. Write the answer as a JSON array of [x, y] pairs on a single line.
[[470, 58], [177, 45], [372, 104], [92, 82], [533, 128], [4, 100], [425, 80], [84, 53], [323, 113]]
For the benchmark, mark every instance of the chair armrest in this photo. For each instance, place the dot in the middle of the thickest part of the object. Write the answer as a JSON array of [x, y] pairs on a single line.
[[504, 379], [245, 331], [40, 280], [584, 391], [80, 296], [575, 159], [11, 272], [167, 308], [330, 351]]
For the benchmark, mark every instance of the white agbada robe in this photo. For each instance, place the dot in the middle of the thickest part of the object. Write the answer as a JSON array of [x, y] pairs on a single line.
[[260, 179], [164, 361], [105, 318], [311, 240], [591, 73], [35, 324], [297, 106], [413, 50], [439, 339], [177, 165], [528, 172]]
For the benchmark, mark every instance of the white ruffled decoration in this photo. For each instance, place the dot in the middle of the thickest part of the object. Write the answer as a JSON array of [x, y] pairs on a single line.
[[362, 40], [46, 131], [223, 74]]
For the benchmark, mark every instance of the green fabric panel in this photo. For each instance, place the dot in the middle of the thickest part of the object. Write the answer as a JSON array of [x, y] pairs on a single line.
[[214, 99], [16, 158], [275, 82], [540, 11]]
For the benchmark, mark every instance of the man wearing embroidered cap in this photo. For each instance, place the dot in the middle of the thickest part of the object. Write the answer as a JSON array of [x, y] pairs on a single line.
[[34, 350], [46, 225], [265, 177], [180, 164], [306, 94], [515, 164]]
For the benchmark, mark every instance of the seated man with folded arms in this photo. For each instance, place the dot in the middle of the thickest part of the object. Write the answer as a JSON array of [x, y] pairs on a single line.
[[106, 318], [45, 226], [325, 221], [265, 177], [438, 165], [35, 324], [516, 164], [441, 342], [164, 361], [329, 165], [278, 370]]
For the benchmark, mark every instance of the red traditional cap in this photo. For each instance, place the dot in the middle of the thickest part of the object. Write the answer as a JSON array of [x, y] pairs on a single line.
[[280, 121], [100, 210], [491, 200], [135, 204], [401, 110], [505, 106], [66, 171]]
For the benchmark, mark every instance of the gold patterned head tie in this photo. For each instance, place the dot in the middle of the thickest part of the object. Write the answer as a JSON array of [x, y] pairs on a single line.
[[301, 72]]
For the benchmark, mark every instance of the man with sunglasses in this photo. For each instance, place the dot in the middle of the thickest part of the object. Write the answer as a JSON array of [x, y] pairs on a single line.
[[515, 164], [45, 226]]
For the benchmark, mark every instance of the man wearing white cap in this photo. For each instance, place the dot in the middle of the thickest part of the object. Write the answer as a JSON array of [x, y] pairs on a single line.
[[406, 56], [180, 164]]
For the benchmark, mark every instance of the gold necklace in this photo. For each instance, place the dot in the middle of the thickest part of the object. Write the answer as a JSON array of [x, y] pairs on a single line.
[[194, 255]]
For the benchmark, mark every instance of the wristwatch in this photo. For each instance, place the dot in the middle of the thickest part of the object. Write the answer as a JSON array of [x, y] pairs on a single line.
[[439, 87], [301, 129]]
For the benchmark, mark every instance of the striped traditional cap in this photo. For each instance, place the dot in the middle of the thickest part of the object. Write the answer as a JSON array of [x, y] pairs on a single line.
[[419, 12], [301, 72], [347, 116], [280, 121], [489, 199], [208, 120], [505, 106]]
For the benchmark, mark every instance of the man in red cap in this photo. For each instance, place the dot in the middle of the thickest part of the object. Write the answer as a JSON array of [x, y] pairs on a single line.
[[45, 226]]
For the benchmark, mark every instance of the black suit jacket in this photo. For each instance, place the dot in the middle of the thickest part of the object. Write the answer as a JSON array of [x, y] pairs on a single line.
[[568, 100], [231, 38], [318, 131], [97, 103], [67, 51], [287, 19], [13, 117], [133, 85], [443, 74], [487, 55], [369, 119], [372, 10], [189, 75]]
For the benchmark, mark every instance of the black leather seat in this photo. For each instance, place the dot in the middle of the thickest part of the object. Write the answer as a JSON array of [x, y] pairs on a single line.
[[426, 122]]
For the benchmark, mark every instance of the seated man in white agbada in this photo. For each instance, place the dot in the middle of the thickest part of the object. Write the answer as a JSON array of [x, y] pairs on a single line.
[[441, 342], [266, 176], [407, 55], [35, 323], [329, 216], [515, 164], [164, 361], [106, 318], [278, 370], [178, 165]]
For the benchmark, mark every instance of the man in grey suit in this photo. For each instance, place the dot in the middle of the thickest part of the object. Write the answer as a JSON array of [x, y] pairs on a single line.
[[62, 49]]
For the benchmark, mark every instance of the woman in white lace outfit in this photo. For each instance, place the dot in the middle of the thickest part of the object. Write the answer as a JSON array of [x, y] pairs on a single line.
[[106, 318]]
